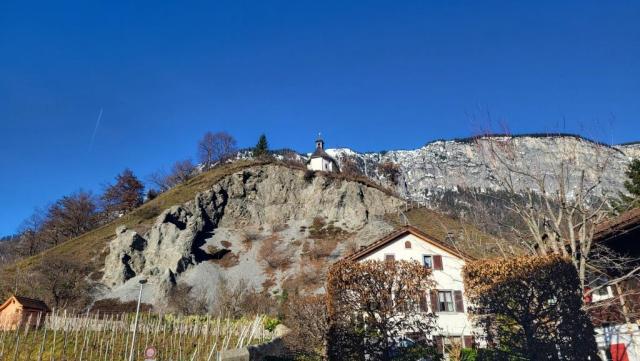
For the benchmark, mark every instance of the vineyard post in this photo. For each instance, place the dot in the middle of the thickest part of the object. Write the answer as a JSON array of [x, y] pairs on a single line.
[[135, 323]]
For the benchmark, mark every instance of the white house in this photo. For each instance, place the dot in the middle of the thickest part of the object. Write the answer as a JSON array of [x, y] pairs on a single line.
[[447, 299], [320, 160]]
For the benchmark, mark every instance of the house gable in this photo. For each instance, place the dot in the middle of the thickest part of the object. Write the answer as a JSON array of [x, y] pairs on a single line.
[[415, 237], [447, 296]]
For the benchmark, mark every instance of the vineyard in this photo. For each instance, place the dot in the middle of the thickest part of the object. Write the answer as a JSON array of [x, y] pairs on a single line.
[[106, 337]]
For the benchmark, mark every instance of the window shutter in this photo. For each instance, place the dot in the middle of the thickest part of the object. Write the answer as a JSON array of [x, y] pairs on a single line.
[[457, 296], [423, 303], [614, 290], [469, 342], [434, 301], [437, 262], [439, 344]]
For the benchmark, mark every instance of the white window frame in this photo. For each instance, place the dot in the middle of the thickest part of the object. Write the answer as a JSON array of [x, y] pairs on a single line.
[[453, 301], [431, 258], [597, 296]]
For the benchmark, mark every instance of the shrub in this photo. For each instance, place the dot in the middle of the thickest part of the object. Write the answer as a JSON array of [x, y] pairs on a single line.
[[115, 305], [229, 259], [531, 307], [390, 171], [272, 254], [279, 227], [270, 323], [248, 238], [372, 303], [309, 175], [322, 248]]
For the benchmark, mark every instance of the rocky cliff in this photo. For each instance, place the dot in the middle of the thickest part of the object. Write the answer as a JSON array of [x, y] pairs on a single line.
[[266, 225], [447, 165]]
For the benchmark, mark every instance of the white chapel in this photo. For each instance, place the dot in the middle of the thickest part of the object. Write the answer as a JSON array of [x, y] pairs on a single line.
[[320, 160]]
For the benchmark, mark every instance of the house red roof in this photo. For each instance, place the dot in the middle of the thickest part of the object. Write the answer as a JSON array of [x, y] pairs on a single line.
[[402, 232], [26, 302], [623, 223]]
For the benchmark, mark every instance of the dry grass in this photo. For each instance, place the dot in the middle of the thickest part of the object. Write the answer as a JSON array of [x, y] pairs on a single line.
[[321, 248], [249, 237], [275, 256], [276, 228], [319, 229], [229, 259], [456, 233], [310, 277]]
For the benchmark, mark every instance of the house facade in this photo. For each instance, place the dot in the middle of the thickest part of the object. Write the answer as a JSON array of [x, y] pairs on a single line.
[[615, 309], [18, 310], [447, 300]]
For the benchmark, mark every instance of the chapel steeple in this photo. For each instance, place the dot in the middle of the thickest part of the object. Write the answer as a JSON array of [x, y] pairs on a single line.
[[320, 142]]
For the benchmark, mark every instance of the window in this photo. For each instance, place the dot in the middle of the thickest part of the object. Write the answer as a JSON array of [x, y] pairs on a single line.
[[389, 257], [407, 245], [445, 301], [602, 293], [427, 261]]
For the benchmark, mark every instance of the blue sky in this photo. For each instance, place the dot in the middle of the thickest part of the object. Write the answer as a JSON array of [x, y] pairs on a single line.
[[370, 75]]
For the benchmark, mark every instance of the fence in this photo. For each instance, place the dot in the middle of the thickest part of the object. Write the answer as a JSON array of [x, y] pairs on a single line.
[[95, 337]]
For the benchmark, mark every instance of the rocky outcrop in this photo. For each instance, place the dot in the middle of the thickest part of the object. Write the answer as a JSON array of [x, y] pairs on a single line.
[[269, 200], [631, 150]]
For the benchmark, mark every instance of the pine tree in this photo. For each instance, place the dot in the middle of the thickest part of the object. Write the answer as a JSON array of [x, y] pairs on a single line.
[[262, 147], [632, 186]]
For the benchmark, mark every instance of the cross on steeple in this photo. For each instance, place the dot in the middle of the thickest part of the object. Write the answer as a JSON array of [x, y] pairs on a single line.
[[319, 142]]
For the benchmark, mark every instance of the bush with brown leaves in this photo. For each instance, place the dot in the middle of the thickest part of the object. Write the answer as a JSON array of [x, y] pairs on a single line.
[[531, 306], [306, 317], [385, 298]]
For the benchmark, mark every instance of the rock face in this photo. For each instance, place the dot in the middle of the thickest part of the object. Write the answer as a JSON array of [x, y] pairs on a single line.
[[631, 150], [442, 165], [211, 236]]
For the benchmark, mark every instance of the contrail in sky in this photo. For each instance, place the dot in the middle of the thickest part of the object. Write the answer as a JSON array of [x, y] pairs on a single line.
[[95, 130]]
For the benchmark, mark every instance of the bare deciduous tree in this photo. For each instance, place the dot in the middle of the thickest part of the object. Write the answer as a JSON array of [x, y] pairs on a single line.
[[559, 205], [181, 171], [62, 281], [31, 240], [184, 300], [307, 318], [70, 217], [214, 147]]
